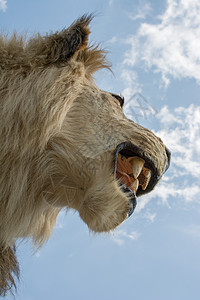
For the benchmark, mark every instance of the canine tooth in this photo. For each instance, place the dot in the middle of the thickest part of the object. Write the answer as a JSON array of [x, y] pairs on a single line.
[[134, 185], [147, 175], [137, 165], [147, 172]]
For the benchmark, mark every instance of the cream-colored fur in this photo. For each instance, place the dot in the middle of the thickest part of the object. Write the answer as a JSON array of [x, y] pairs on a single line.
[[58, 133]]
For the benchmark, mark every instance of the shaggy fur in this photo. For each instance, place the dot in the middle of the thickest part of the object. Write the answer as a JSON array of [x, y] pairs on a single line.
[[9, 265], [58, 133]]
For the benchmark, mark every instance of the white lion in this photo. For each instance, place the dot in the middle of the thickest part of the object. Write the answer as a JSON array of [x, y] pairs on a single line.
[[65, 142]]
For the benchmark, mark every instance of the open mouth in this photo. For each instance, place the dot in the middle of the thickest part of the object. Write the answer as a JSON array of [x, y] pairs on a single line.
[[137, 174]]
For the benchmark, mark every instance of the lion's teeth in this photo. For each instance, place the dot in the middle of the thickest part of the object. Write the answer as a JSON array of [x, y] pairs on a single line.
[[137, 165], [134, 185], [147, 175]]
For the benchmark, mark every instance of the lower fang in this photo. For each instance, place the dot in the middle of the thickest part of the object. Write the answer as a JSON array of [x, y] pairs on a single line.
[[134, 185], [147, 177], [137, 165]]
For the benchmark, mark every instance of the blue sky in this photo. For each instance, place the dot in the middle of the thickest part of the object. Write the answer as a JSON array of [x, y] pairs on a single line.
[[154, 49]]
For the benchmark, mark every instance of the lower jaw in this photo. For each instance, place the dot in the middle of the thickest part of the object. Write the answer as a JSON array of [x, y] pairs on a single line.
[[132, 198]]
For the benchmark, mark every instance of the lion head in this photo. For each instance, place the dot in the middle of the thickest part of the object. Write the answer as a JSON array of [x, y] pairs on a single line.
[[67, 143]]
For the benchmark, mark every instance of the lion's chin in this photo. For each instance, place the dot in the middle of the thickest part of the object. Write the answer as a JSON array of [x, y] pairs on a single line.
[[105, 205]]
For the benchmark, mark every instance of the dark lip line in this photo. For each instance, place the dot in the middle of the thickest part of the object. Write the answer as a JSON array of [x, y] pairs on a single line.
[[137, 151]]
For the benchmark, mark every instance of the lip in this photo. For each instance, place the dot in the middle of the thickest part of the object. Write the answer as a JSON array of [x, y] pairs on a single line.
[[132, 198], [128, 149]]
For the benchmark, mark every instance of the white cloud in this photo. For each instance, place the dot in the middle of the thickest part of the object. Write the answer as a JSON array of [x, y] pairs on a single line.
[[3, 5], [165, 193], [150, 216], [132, 55], [120, 236], [113, 40], [142, 10], [181, 133], [170, 47]]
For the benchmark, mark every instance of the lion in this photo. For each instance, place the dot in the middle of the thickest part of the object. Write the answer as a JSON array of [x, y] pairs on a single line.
[[65, 143]]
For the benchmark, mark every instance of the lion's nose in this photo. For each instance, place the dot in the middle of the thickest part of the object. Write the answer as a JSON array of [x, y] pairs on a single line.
[[169, 158]]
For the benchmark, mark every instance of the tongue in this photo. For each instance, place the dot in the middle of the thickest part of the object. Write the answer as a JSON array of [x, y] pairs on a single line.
[[130, 182], [124, 178]]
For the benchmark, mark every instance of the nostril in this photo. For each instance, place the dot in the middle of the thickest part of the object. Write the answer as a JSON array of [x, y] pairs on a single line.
[[169, 158]]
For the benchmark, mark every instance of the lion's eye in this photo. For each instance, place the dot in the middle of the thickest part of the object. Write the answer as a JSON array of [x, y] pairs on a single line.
[[119, 98]]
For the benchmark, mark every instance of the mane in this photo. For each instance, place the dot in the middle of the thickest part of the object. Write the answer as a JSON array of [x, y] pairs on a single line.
[[94, 59], [38, 76], [18, 52]]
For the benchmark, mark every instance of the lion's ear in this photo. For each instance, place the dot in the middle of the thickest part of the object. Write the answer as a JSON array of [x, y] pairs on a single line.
[[61, 46], [70, 41]]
